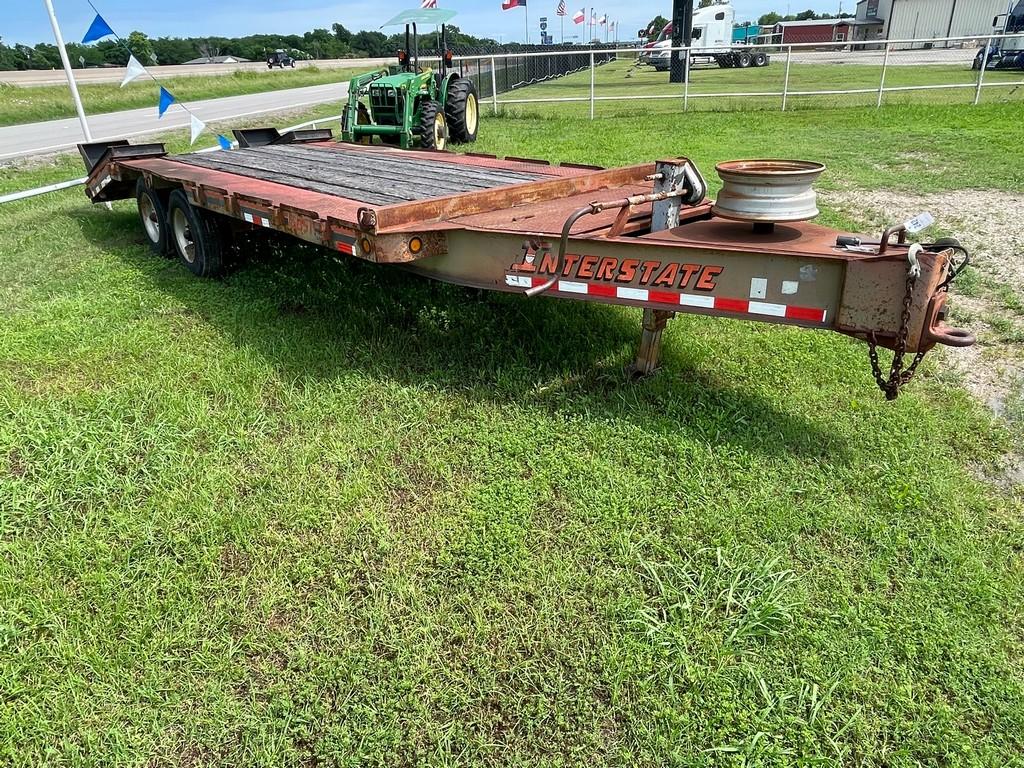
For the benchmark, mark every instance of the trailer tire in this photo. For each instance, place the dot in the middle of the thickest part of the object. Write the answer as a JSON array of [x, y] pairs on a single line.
[[743, 60], [760, 60], [153, 217], [462, 110], [198, 237], [433, 128]]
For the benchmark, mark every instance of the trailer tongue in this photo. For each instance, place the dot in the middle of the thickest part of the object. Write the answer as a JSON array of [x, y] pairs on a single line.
[[644, 236]]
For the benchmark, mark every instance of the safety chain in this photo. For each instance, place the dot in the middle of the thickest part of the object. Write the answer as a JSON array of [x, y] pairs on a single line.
[[898, 376]]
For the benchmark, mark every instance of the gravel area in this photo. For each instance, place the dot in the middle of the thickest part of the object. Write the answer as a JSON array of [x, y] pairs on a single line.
[[989, 300]]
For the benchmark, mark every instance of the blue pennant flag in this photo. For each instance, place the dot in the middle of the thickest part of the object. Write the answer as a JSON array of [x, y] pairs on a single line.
[[99, 28], [224, 141], [166, 99]]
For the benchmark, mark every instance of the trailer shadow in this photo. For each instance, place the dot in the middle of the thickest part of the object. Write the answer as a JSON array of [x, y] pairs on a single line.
[[315, 318]]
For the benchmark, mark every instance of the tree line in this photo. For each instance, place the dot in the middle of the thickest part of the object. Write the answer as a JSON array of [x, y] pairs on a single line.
[[334, 43]]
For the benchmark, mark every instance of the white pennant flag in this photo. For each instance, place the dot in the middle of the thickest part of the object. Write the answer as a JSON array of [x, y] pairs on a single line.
[[134, 70], [197, 127]]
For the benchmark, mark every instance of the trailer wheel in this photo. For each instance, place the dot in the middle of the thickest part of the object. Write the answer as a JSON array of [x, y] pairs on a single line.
[[462, 110], [197, 236], [433, 128], [743, 60], [153, 217], [760, 60]]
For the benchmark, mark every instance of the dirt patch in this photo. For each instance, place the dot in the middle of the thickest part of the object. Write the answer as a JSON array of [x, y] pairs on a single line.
[[989, 298]]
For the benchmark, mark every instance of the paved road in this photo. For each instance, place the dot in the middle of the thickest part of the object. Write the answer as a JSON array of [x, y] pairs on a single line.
[[58, 135], [116, 74]]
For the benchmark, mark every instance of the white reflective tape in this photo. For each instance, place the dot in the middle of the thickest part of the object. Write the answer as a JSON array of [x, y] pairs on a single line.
[[764, 308], [688, 300], [565, 286], [247, 217], [519, 281], [790, 287], [758, 287], [264, 222], [634, 294]]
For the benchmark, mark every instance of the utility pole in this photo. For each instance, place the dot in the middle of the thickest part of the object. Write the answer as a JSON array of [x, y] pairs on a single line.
[[682, 29], [62, 50]]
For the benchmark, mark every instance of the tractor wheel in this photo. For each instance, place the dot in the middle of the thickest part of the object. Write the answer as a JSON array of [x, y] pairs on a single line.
[[760, 60], [433, 128], [198, 237], [462, 110], [743, 60], [153, 216]]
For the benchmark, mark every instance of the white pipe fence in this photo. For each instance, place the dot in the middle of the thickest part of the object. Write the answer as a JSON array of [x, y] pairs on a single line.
[[844, 56], [921, 54]]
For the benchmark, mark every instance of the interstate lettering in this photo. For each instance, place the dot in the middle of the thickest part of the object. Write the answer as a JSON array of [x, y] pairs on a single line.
[[609, 269]]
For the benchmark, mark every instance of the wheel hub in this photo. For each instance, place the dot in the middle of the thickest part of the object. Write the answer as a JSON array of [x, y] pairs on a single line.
[[183, 236]]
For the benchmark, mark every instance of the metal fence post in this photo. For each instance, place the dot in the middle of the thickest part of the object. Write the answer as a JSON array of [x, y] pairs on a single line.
[[881, 83], [981, 71], [785, 82], [686, 79], [591, 85], [494, 87]]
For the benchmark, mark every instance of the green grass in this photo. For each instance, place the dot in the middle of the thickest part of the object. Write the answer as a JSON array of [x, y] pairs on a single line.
[[621, 78], [323, 512], [30, 104]]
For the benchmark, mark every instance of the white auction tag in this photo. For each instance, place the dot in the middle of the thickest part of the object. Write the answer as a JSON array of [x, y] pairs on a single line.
[[919, 222]]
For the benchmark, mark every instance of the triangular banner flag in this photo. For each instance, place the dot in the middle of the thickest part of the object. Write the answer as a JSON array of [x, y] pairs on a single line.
[[197, 128], [224, 141], [99, 28], [166, 99], [134, 70]]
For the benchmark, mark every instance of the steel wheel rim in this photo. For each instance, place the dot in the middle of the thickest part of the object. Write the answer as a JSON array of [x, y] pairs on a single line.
[[440, 134], [183, 236], [471, 114], [150, 218]]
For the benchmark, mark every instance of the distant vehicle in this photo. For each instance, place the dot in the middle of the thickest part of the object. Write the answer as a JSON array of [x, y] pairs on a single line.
[[711, 41], [280, 58], [1009, 54]]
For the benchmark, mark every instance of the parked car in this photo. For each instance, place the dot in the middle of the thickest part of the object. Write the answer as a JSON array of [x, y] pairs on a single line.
[[280, 58]]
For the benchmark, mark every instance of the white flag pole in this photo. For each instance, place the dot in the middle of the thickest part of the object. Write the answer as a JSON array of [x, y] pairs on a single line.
[[67, 70]]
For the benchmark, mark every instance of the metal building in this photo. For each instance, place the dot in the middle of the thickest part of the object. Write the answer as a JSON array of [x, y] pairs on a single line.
[[915, 19]]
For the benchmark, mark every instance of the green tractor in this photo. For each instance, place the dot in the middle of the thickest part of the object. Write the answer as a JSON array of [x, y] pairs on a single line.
[[411, 105]]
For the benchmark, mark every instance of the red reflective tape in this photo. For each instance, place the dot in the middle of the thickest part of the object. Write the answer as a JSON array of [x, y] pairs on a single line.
[[663, 297], [805, 313], [596, 289], [539, 280], [731, 305], [346, 248]]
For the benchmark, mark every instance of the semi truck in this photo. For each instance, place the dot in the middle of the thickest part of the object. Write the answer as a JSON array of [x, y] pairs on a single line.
[[1007, 52], [711, 42]]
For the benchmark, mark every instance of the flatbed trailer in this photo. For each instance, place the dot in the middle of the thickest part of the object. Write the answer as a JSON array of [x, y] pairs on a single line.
[[643, 235]]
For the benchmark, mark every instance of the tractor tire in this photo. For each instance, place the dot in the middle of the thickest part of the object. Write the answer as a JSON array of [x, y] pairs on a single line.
[[743, 60], [433, 128], [153, 217], [199, 238], [760, 60], [462, 111]]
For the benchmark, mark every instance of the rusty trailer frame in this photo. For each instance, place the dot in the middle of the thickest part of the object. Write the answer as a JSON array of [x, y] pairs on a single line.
[[641, 235]]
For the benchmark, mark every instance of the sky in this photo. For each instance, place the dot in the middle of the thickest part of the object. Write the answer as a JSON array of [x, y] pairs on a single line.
[[25, 21]]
